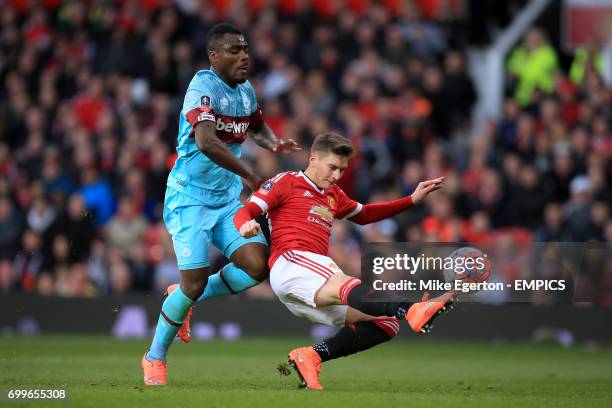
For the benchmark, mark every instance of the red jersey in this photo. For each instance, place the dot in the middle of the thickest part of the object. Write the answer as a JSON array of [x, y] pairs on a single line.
[[300, 214]]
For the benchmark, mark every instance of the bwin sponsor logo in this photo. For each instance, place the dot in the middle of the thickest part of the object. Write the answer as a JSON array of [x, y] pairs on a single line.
[[232, 127]]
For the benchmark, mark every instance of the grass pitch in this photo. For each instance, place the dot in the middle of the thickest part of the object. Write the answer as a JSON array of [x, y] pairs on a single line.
[[103, 372]]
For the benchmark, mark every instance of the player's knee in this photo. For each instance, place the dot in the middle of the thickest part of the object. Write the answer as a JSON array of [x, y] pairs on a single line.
[[193, 289], [389, 325], [256, 267], [329, 293], [344, 287]]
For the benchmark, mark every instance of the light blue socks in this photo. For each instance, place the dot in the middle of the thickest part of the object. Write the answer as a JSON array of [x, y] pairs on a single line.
[[171, 318], [230, 276], [177, 305]]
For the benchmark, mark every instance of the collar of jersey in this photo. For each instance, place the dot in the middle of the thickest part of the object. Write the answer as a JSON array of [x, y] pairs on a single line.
[[309, 181], [229, 88]]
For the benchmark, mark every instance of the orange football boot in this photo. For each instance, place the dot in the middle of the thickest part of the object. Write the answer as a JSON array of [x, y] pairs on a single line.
[[421, 315], [307, 365], [184, 332], [155, 372]]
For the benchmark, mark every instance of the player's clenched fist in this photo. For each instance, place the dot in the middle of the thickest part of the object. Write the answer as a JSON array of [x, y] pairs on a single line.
[[426, 187], [250, 229]]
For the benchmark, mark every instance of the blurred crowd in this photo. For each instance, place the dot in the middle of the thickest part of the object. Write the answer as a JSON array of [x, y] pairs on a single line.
[[89, 102]]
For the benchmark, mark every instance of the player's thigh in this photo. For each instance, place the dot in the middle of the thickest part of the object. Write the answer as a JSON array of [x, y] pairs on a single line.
[[190, 225], [226, 237], [296, 286], [310, 264], [295, 279], [295, 274]]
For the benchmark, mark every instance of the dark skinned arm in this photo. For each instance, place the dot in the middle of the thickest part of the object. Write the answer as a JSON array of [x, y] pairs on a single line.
[[207, 141], [264, 137]]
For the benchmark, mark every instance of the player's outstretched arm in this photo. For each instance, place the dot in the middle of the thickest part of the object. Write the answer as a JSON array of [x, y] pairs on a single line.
[[376, 212], [266, 138], [424, 188], [208, 142], [244, 220]]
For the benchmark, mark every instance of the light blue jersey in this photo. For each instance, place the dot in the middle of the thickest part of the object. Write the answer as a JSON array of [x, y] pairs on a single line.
[[234, 110], [202, 197]]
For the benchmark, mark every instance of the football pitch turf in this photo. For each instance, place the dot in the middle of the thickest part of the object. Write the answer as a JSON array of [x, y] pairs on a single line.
[[104, 372]]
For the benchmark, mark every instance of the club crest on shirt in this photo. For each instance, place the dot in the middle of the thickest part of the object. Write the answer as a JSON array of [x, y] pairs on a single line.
[[332, 202], [224, 102], [246, 103]]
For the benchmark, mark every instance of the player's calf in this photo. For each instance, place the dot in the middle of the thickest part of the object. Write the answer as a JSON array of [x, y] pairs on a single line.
[[184, 332], [356, 337]]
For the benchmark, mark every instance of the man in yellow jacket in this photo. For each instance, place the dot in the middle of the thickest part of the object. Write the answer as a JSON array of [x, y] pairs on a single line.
[[533, 64]]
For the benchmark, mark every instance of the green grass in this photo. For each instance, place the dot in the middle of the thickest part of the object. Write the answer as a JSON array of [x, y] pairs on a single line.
[[102, 372]]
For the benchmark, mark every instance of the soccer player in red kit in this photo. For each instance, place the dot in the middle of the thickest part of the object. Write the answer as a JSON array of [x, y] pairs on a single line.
[[301, 208]]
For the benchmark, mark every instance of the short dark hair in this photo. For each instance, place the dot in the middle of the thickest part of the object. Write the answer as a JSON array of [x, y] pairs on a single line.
[[332, 142], [216, 33]]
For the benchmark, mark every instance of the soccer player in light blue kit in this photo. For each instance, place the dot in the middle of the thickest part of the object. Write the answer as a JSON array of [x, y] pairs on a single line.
[[204, 187]]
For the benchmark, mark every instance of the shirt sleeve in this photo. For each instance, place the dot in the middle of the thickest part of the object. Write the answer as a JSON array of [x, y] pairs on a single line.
[[246, 213], [347, 207], [370, 213], [199, 104], [272, 192], [256, 120]]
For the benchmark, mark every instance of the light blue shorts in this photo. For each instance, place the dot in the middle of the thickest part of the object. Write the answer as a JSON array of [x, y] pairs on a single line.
[[194, 226]]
